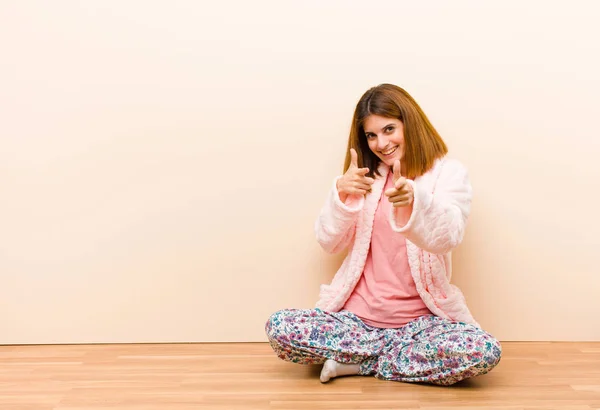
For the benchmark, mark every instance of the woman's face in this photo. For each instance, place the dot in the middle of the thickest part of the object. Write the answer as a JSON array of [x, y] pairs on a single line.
[[385, 137]]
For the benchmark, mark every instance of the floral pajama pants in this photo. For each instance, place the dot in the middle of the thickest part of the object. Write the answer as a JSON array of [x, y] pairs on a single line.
[[429, 349]]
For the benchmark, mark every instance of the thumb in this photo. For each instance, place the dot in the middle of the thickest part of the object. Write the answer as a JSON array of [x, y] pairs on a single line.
[[397, 174], [353, 158]]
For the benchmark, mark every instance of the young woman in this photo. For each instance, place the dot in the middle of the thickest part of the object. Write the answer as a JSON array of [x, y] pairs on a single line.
[[400, 207]]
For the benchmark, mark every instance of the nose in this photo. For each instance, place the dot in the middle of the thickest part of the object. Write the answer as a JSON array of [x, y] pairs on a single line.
[[382, 142]]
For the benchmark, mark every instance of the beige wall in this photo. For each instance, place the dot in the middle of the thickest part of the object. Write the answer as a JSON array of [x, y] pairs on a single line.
[[162, 163]]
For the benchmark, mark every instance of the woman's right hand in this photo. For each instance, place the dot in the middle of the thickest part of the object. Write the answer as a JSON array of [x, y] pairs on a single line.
[[354, 182]]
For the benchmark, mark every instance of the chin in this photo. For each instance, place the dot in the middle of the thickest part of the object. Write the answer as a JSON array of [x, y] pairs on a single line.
[[389, 162]]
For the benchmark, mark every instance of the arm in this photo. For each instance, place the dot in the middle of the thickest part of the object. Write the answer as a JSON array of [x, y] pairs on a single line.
[[437, 221], [335, 225]]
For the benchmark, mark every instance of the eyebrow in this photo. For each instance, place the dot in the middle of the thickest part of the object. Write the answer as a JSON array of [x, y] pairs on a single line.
[[389, 125]]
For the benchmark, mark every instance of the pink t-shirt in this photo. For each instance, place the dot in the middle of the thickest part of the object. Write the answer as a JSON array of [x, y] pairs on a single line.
[[386, 296]]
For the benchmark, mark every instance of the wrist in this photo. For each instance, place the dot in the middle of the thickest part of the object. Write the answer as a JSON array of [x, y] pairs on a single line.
[[343, 196]]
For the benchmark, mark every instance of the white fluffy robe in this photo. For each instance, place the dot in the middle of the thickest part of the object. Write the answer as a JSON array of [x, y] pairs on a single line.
[[442, 202]]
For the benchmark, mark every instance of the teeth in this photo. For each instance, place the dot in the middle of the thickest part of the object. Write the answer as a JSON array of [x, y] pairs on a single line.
[[389, 152]]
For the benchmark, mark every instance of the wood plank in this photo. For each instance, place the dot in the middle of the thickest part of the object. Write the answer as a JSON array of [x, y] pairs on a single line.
[[248, 376]]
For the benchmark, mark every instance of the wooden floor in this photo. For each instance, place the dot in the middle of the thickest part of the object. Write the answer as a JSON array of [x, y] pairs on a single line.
[[249, 376]]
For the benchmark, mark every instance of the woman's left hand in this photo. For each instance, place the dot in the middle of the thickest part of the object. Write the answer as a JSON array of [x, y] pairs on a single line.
[[402, 194]]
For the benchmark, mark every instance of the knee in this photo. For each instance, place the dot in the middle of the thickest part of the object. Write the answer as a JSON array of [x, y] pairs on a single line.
[[493, 352], [487, 351], [275, 326]]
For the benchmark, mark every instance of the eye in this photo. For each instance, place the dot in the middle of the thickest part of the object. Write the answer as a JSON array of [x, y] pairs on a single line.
[[370, 136], [389, 129]]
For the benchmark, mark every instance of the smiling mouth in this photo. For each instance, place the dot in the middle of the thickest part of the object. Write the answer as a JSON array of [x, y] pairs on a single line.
[[389, 151]]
